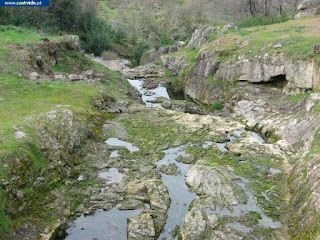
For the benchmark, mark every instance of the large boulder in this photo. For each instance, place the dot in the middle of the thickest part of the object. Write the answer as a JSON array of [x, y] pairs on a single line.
[[212, 182], [145, 71], [308, 8]]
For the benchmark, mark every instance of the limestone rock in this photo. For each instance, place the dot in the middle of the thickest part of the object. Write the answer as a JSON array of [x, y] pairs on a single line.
[[74, 77], [158, 195], [73, 38], [176, 64], [59, 77], [195, 225], [153, 54], [141, 227], [145, 71], [170, 169], [114, 129], [19, 134], [114, 65], [229, 26], [216, 183], [88, 74], [278, 45], [60, 133], [200, 36], [33, 76], [308, 8]]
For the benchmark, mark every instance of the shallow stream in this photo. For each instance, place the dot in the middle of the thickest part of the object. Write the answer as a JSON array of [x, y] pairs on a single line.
[[113, 224]]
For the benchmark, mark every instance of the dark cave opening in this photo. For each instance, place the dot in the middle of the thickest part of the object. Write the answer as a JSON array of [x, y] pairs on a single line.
[[279, 81]]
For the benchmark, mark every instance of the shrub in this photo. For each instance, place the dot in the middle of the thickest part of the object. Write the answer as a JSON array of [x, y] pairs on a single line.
[[165, 40], [98, 36], [137, 52], [217, 105], [119, 35]]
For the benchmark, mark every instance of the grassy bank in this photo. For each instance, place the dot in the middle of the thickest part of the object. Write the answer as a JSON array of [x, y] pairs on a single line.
[[21, 103]]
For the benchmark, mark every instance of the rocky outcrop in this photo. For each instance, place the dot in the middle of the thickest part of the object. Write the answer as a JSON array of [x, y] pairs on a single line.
[[200, 36], [291, 130], [208, 80], [197, 87], [308, 8], [296, 131], [60, 133], [114, 65], [153, 54], [123, 67], [176, 64], [42, 56], [300, 75], [182, 106]]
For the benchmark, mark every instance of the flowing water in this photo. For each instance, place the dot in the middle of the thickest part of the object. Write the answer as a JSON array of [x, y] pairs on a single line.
[[150, 95]]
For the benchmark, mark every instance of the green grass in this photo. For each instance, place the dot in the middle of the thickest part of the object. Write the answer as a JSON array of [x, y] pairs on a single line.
[[4, 218], [17, 35], [296, 97], [23, 100], [261, 20], [107, 10]]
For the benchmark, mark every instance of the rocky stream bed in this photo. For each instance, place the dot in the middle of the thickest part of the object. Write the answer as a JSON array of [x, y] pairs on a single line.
[[172, 174]]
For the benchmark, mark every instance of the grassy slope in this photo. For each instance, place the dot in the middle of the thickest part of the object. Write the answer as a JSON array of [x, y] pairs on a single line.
[[296, 36], [21, 100]]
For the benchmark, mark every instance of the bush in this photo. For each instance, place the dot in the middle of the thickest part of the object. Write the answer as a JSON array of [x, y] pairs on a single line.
[[165, 40], [217, 105], [261, 20], [120, 35], [98, 36], [137, 52]]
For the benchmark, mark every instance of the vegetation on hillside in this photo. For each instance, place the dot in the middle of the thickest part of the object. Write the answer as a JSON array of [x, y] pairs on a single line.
[[66, 16], [176, 20], [131, 27]]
